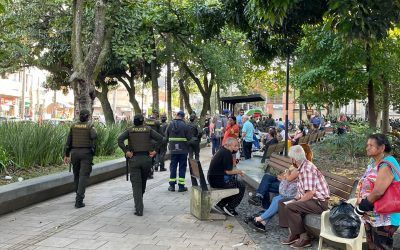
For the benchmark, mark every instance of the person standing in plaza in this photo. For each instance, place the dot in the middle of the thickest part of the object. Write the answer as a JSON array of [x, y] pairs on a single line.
[[79, 150], [163, 146], [178, 135], [247, 135], [194, 143], [139, 154], [154, 124]]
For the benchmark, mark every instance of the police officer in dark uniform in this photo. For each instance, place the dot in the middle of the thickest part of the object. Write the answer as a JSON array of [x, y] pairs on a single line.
[[194, 143], [154, 124], [139, 153], [178, 135], [163, 146], [80, 145]]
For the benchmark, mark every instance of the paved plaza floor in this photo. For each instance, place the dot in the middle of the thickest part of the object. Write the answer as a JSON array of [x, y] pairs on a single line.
[[108, 222]]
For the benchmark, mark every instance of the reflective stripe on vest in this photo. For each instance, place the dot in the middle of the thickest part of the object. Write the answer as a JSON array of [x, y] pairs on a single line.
[[177, 139]]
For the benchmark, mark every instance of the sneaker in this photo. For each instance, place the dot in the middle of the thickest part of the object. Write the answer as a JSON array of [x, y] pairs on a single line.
[[255, 200], [171, 188], [259, 226], [184, 189], [230, 211], [163, 169], [219, 208]]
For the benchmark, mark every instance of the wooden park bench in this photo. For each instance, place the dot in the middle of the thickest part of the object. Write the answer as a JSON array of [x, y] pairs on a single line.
[[202, 196], [304, 139], [274, 148], [329, 130], [339, 186], [321, 135]]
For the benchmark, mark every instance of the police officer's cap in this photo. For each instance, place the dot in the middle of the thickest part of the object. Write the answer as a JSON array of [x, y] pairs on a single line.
[[138, 117], [181, 114], [225, 111], [84, 112]]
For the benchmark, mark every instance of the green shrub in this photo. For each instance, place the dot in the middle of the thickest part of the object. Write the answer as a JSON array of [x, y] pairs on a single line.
[[5, 159], [106, 143], [31, 144], [349, 146]]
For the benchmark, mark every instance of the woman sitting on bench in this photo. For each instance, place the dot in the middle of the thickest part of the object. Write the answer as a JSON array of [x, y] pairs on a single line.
[[287, 191]]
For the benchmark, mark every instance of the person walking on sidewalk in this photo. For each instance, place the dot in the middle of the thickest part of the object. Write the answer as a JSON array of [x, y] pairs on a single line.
[[222, 175], [178, 135], [164, 145], [80, 146], [139, 154]]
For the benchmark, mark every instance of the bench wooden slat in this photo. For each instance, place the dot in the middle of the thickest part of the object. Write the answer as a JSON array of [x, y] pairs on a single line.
[[339, 185], [338, 178], [276, 166], [271, 149], [340, 193], [282, 158], [279, 162]]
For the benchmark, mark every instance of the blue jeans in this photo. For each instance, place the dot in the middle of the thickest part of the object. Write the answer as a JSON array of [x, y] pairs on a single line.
[[272, 209], [256, 142], [216, 143], [269, 183], [176, 159]]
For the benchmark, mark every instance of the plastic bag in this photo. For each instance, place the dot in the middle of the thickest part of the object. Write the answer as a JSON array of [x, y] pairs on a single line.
[[345, 223]]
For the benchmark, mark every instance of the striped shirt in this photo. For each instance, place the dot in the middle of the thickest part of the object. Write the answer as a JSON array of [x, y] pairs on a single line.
[[311, 179]]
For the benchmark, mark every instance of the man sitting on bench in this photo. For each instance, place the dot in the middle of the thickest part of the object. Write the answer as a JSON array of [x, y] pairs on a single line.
[[222, 175]]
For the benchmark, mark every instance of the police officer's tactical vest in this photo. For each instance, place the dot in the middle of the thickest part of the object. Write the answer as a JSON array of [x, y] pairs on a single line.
[[153, 123], [81, 135], [139, 139], [193, 129]]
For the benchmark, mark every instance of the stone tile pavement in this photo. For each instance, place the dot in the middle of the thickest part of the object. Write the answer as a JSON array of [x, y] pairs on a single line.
[[108, 222]]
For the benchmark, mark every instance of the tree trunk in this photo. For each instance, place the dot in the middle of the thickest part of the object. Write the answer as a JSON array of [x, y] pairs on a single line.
[[385, 99], [219, 98], [154, 80], [371, 91], [169, 91], [105, 103], [185, 96], [131, 91], [85, 70]]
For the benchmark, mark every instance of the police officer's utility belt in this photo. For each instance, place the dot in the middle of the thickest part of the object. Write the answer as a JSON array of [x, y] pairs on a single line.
[[177, 139], [140, 153]]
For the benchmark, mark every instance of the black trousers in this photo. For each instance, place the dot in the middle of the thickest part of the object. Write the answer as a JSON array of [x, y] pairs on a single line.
[[81, 160], [247, 149], [234, 200]]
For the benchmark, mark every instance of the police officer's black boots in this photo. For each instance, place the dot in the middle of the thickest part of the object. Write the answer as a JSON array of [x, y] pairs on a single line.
[[79, 201], [138, 213]]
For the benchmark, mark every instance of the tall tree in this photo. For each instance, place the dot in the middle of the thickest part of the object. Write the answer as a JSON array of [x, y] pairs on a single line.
[[368, 21], [86, 66]]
